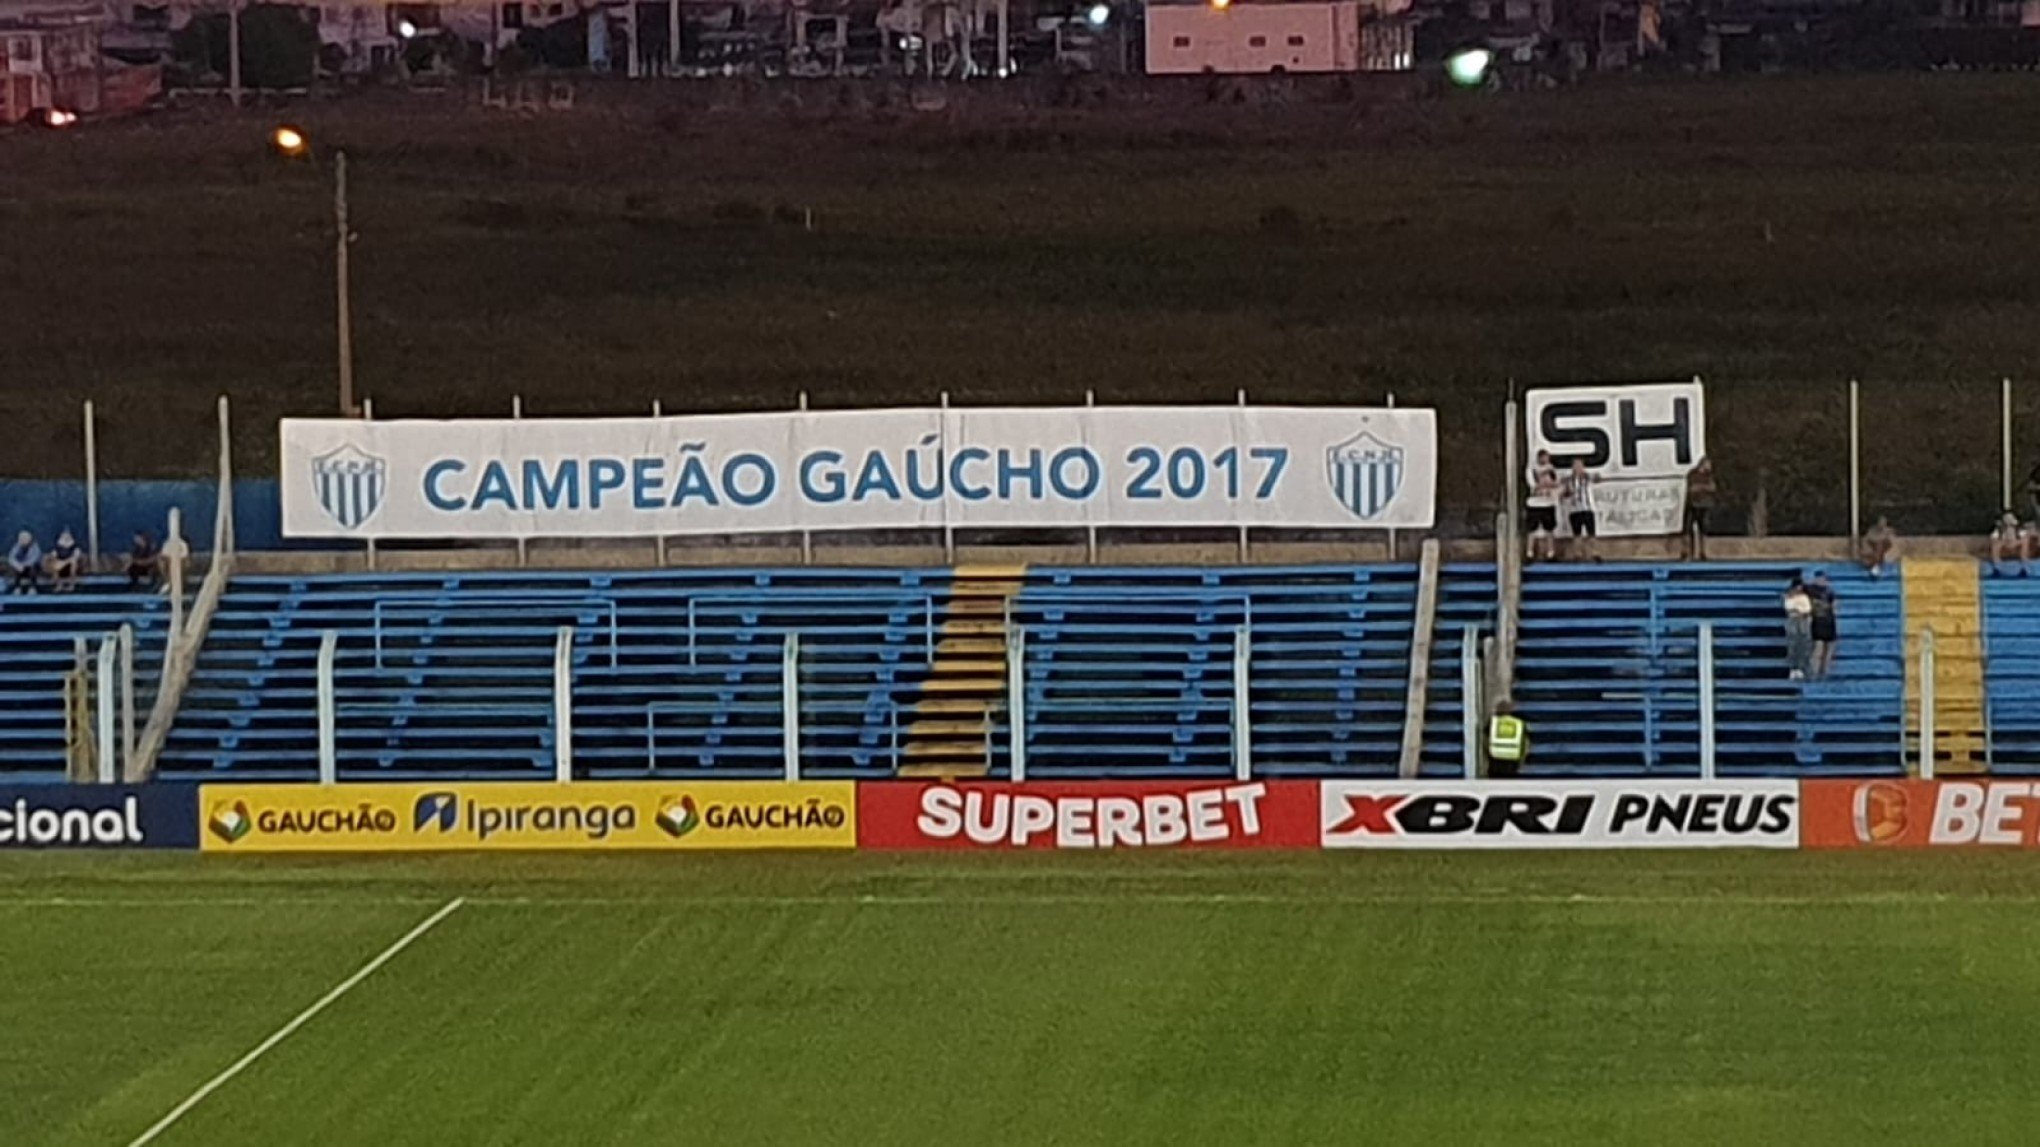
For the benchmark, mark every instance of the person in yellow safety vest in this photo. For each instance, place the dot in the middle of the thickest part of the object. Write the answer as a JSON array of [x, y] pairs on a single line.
[[1508, 741]]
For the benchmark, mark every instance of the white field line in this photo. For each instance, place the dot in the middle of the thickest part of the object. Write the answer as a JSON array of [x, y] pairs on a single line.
[[1025, 899], [302, 1018]]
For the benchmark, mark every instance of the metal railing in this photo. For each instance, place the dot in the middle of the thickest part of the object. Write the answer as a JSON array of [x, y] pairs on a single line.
[[765, 600], [575, 604]]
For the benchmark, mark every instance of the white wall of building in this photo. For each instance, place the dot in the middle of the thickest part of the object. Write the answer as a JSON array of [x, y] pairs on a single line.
[[1248, 38]]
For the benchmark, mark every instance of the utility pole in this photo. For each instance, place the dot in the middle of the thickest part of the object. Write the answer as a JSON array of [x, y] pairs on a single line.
[[234, 51], [343, 321]]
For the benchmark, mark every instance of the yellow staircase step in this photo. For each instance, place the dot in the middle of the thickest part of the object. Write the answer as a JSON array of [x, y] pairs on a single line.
[[961, 666], [928, 705], [968, 645], [933, 729]]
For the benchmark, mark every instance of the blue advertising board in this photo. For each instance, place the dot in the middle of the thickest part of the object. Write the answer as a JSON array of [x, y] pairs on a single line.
[[50, 817]]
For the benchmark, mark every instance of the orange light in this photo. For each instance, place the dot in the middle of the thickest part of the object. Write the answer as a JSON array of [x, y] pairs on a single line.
[[289, 140], [58, 117], [1221, 5]]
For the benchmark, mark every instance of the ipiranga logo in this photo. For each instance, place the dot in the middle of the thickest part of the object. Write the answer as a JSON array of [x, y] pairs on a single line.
[[230, 821]]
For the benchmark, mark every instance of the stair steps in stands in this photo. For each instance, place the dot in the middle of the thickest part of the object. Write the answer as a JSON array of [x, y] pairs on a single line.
[[950, 732], [1945, 595]]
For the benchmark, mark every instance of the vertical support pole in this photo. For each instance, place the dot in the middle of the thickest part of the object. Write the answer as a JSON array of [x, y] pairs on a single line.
[[517, 415], [1707, 701], [368, 415], [107, 699], [2005, 448], [91, 484], [173, 574], [1242, 455], [1855, 465], [948, 530], [563, 706], [1512, 475], [343, 302], [127, 693], [1394, 535], [1469, 700], [1242, 705], [223, 518], [807, 536], [1927, 720], [789, 705], [658, 411], [234, 51], [1016, 699], [329, 756], [1005, 39], [673, 37], [1090, 528]]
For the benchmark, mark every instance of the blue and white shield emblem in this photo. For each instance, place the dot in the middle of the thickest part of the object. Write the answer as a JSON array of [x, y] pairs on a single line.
[[350, 485], [1366, 474]]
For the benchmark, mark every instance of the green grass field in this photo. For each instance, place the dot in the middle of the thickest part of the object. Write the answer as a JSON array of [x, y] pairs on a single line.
[[1114, 1000]]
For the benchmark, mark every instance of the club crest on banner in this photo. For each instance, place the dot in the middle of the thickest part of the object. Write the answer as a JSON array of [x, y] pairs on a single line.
[[1366, 474], [350, 484]]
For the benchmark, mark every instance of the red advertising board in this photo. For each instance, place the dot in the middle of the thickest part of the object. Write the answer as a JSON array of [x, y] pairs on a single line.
[[1921, 814], [1088, 815]]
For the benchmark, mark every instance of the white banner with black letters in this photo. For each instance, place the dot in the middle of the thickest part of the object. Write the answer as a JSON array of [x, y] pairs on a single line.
[[1308, 467], [1638, 440]]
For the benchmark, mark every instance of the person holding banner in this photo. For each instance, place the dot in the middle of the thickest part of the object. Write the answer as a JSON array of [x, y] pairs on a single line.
[[1577, 493], [1540, 509], [1700, 494]]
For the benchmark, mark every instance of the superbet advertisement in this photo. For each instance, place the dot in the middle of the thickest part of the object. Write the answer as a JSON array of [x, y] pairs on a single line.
[[1088, 815], [1922, 814]]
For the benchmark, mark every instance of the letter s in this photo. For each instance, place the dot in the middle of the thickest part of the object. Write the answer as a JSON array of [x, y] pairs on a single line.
[[941, 812]]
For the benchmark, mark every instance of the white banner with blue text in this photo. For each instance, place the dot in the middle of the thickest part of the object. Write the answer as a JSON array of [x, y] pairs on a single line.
[[1307, 467]]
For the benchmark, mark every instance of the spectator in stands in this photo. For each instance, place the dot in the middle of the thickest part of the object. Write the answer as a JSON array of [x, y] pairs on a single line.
[[144, 562], [2033, 491], [2010, 539], [1577, 494], [63, 563], [24, 563], [1798, 629], [1824, 630], [1700, 494], [1880, 547], [1540, 511]]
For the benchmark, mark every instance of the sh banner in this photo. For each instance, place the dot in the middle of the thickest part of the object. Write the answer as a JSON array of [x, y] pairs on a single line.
[[1315, 467], [1638, 440]]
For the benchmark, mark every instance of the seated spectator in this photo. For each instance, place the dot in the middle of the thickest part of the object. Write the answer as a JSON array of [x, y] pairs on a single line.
[[24, 563], [144, 562], [1880, 547], [2011, 540], [63, 563]]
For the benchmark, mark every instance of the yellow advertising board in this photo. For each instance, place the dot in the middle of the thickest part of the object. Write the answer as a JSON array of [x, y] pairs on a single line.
[[592, 816]]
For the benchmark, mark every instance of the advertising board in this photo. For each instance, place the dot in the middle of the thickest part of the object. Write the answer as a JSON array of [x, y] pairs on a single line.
[[1554, 814], [1638, 440], [1922, 814], [860, 469], [520, 816], [1088, 815], [51, 817]]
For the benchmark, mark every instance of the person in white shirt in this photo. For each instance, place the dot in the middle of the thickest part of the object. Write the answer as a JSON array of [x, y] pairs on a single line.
[[1576, 493], [1540, 509], [1798, 629], [2010, 539]]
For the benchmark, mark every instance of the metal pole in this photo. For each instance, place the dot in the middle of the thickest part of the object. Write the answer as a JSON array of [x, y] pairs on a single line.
[[1927, 729], [368, 415], [673, 37], [1707, 701], [91, 484], [1243, 733], [1241, 454], [1393, 534], [127, 693], [108, 749], [329, 767], [659, 542], [223, 516], [1090, 527], [563, 705], [1016, 699], [234, 51], [1855, 465], [789, 705], [807, 536], [2004, 444], [1005, 39], [517, 415], [343, 319], [948, 530], [1512, 466], [173, 575], [1469, 700]]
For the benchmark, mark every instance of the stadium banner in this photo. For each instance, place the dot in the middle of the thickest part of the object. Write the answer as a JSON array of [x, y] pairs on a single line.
[[1560, 814], [513, 815], [1638, 440], [1977, 813], [1172, 466], [62, 817], [1087, 815]]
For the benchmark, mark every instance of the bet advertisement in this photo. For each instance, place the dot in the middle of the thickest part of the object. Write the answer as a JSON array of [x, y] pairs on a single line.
[[520, 816]]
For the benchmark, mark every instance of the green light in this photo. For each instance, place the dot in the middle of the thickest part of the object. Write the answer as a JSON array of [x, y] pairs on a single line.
[[1469, 67]]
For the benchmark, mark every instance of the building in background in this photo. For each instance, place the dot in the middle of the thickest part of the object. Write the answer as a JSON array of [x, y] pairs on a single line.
[[1261, 37]]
